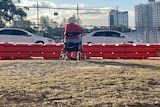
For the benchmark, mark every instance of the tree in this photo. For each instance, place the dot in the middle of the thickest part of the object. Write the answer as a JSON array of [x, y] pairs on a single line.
[[9, 12], [1, 25]]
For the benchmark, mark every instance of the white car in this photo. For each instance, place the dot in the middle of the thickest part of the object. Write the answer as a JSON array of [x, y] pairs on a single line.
[[108, 36], [17, 35]]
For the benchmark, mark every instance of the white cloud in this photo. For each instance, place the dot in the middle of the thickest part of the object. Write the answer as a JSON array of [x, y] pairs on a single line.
[[71, 5], [26, 3], [46, 4], [96, 16]]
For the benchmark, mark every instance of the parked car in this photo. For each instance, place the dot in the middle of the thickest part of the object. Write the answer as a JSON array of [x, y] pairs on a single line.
[[22, 36], [108, 36]]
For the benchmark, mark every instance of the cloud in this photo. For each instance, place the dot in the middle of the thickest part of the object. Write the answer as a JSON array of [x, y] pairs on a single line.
[[94, 16], [42, 4], [71, 5], [46, 5]]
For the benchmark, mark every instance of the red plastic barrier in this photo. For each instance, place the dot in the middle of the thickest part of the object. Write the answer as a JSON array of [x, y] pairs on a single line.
[[17, 51], [105, 51], [36, 50], [2, 51], [140, 51], [155, 47], [52, 51]]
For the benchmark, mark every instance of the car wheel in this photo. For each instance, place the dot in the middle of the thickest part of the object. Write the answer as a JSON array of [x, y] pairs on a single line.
[[89, 42], [40, 42], [130, 42]]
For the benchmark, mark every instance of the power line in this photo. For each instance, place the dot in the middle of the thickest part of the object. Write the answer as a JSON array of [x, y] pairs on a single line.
[[60, 8]]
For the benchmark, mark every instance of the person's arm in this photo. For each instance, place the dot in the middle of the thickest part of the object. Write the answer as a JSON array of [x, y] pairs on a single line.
[[80, 30], [65, 29]]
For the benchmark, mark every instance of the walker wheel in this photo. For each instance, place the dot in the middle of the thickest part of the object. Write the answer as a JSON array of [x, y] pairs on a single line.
[[63, 56], [84, 56], [78, 55]]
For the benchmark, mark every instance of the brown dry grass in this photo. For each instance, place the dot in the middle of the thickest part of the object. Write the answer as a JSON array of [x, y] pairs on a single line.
[[91, 83]]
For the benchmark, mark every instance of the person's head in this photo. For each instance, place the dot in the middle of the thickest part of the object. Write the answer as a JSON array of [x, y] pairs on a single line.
[[72, 20]]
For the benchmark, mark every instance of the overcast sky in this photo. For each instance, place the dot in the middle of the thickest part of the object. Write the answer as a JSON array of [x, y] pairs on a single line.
[[88, 17]]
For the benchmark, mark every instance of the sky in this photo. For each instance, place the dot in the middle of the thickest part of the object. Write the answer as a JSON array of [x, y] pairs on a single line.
[[88, 17]]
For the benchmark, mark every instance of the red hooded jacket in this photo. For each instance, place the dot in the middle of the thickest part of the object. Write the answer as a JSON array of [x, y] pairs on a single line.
[[71, 28]]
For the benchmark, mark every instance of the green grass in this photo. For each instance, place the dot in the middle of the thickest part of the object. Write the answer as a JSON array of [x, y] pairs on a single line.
[[91, 83]]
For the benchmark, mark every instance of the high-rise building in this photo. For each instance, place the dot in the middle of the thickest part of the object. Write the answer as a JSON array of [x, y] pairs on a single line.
[[143, 17], [150, 1], [147, 16], [156, 15], [44, 21], [117, 18]]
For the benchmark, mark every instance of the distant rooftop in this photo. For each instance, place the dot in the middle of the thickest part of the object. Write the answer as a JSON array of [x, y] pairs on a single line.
[[151, 1]]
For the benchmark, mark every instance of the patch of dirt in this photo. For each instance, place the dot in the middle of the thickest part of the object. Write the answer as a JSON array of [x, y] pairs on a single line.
[[91, 83]]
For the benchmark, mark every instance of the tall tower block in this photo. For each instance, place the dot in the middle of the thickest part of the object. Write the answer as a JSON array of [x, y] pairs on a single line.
[[151, 1]]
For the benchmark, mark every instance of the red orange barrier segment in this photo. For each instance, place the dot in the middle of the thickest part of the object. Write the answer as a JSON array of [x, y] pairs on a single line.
[[2, 51], [104, 51], [141, 51]]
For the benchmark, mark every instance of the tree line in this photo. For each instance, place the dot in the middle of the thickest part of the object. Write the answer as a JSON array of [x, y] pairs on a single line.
[[9, 12]]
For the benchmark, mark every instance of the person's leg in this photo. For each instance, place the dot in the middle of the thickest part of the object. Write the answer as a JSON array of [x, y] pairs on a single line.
[[73, 55], [75, 41]]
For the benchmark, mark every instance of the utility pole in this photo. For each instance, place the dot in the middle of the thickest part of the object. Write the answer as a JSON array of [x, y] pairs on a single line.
[[77, 13], [38, 15], [117, 16], [0, 17]]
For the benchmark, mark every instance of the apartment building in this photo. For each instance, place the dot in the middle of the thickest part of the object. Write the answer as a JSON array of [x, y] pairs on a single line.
[[147, 16], [156, 15], [118, 18]]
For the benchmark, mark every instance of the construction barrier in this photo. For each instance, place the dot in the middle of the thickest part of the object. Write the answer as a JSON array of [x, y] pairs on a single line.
[[9, 51], [141, 51], [105, 51]]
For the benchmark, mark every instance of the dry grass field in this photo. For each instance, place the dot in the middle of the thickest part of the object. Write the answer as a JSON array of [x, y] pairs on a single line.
[[91, 83]]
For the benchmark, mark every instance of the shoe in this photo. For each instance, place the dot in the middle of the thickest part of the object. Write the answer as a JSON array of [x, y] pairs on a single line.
[[73, 58]]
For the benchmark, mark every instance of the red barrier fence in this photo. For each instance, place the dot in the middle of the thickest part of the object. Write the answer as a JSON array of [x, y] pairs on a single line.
[[105, 51]]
